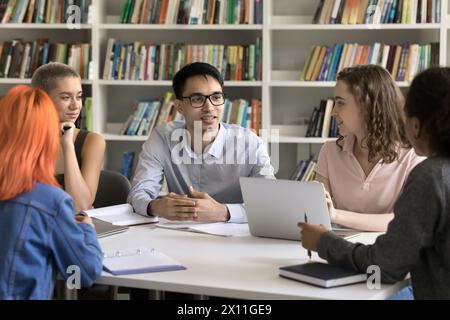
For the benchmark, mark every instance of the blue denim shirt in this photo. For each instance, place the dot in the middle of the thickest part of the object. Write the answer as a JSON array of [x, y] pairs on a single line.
[[39, 237]]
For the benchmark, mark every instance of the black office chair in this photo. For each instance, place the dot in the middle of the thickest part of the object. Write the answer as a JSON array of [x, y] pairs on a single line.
[[113, 189]]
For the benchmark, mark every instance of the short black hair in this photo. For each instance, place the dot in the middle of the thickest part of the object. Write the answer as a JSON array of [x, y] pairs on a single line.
[[192, 70], [428, 99]]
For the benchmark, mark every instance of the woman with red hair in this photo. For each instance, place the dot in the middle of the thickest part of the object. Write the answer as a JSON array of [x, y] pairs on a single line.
[[38, 232]]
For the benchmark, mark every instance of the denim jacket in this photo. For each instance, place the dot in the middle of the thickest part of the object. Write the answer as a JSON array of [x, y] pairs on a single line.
[[39, 237]]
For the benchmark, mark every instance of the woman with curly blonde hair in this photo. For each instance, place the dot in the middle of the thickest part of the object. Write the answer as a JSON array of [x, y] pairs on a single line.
[[364, 170], [418, 238]]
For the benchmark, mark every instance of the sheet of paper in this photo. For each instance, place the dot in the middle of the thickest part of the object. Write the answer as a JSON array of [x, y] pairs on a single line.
[[120, 215], [344, 232], [366, 237], [225, 229]]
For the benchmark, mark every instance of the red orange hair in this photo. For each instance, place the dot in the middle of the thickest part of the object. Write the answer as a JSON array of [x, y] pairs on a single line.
[[29, 140]]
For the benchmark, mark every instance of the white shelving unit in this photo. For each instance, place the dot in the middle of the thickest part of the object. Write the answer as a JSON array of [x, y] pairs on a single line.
[[287, 35]]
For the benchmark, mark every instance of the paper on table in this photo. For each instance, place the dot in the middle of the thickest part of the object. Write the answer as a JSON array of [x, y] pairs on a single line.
[[120, 215], [366, 237], [224, 229], [344, 232], [338, 227], [138, 260]]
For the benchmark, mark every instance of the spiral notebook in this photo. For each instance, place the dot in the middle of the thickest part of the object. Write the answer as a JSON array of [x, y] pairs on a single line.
[[138, 260]]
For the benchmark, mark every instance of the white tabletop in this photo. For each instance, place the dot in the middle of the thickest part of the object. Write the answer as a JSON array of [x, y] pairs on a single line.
[[244, 267]]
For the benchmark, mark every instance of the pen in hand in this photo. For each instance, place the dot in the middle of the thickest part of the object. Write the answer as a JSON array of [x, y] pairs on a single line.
[[66, 128], [306, 221]]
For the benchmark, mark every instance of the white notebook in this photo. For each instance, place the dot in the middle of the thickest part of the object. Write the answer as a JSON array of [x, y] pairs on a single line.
[[138, 260], [224, 229], [119, 215]]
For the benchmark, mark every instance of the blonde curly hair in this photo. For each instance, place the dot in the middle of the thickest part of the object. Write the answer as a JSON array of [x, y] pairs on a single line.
[[381, 103]]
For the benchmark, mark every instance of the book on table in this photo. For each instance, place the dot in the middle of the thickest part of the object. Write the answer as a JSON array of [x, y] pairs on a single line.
[[322, 274], [119, 215], [104, 228]]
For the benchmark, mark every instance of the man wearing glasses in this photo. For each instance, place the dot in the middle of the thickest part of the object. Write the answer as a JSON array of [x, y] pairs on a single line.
[[200, 157]]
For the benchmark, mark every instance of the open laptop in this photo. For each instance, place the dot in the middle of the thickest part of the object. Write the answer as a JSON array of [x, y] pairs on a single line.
[[104, 228], [274, 207]]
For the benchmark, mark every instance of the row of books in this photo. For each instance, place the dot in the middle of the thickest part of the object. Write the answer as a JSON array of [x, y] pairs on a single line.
[[85, 120], [377, 11], [304, 171], [321, 123], [19, 59], [127, 164], [148, 114], [402, 61], [192, 12], [242, 112], [139, 61], [43, 11]]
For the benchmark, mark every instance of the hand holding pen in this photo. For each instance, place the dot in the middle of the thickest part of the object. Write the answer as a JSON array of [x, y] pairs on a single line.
[[310, 235], [67, 133], [306, 221], [65, 128]]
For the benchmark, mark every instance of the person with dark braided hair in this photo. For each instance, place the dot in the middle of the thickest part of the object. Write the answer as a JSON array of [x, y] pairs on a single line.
[[364, 170], [417, 240]]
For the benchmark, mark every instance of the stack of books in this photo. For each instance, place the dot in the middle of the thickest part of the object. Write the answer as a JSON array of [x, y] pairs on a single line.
[[375, 12], [148, 114], [145, 61], [42, 11], [402, 61], [192, 11], [321, 123], [304, 171], [85, 120], [242, 112], [19, 59]]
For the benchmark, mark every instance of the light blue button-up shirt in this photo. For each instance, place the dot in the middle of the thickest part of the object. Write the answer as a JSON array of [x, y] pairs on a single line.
[[236, 152]]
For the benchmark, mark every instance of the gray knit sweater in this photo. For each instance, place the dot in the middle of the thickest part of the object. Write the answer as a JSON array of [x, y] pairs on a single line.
[[417, 239]]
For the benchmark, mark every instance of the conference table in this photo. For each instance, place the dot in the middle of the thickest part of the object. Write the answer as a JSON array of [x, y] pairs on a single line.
[[240, 267]]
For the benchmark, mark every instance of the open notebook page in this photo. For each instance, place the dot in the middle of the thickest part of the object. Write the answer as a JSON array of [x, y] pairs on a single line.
[[120, 215], [225, 229]]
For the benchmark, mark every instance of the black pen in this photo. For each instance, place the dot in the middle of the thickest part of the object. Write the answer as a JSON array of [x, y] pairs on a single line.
[[306, 221], [66, 128]]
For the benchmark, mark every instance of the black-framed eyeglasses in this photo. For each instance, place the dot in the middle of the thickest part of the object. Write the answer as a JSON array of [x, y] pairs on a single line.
[[198, 100]]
